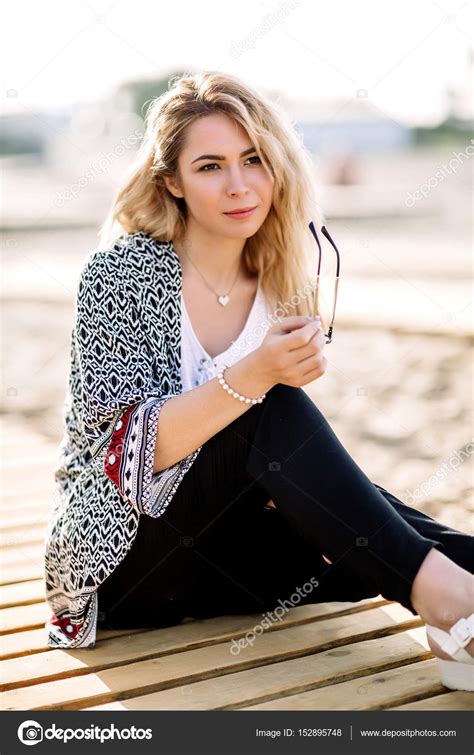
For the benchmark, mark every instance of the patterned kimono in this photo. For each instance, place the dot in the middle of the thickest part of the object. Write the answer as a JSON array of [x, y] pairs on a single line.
[[125, 363]]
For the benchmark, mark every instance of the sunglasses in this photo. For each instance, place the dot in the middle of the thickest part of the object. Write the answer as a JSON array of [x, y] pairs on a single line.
[[325, 232]]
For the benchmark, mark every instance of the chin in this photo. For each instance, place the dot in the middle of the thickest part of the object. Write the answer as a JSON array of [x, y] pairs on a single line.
[[245, 231]]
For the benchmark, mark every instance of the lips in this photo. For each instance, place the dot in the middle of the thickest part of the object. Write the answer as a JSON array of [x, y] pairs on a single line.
[[240, 210]]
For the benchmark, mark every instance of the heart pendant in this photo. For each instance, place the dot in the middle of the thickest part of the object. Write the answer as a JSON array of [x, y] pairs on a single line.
[[224, 300]]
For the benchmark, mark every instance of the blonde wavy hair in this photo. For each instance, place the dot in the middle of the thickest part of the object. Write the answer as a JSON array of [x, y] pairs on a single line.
[[282, 251]]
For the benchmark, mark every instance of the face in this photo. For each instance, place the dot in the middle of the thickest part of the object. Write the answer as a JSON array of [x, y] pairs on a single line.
[[229, 180]]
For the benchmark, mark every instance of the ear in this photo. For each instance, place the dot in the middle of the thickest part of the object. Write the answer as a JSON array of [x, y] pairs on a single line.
[[172, 186]]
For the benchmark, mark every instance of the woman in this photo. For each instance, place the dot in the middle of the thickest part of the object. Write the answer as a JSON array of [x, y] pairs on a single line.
[[196, 321]]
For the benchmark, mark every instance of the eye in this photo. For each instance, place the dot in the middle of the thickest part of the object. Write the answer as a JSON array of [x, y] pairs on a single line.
[[210, 165]]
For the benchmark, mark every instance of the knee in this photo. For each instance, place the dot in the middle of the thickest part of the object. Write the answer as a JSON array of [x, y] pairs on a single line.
[[282, 389], [286, 393], [292, 399]]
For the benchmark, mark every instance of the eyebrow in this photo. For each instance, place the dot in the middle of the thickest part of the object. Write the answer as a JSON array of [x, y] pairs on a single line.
[[222, 157]]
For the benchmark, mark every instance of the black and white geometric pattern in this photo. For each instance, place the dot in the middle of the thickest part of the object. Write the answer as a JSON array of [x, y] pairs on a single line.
[[125, 363]]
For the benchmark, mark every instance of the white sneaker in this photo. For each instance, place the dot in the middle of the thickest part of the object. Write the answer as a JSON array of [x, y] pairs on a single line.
[[458, 673]]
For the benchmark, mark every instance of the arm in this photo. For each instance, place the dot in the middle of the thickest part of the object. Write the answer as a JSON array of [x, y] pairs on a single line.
[[289, 354], [189, 420], [119, 395]]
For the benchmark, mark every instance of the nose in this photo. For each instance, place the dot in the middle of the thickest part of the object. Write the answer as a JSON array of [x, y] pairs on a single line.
[[236, 183]]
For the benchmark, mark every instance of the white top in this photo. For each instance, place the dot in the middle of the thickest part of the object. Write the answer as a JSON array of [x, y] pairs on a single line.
[[198, 367]]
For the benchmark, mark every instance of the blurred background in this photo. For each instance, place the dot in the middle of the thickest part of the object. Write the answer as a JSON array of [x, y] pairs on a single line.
[[382, 96]]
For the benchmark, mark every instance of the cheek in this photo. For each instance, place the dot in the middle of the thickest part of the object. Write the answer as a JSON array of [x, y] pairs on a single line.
[[204, 193], [266, 188]]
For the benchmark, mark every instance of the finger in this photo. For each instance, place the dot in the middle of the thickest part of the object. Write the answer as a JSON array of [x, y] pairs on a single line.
[[315, 346], [299, 339], [288, 324], [311, 363], [315, 373]]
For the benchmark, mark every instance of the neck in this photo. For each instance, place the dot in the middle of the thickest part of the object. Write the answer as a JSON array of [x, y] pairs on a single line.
[[218, 259]]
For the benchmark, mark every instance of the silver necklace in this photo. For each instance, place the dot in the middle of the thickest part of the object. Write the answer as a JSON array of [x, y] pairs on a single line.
[[223, 299]]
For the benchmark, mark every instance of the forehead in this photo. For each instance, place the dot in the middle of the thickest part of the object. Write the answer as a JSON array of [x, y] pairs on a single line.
[[217, 133]]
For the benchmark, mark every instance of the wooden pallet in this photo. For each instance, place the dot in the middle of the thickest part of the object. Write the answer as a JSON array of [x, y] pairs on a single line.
[[334, 656]]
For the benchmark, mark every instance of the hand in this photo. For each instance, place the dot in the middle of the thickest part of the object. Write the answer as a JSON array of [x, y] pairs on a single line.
[[292, 352]]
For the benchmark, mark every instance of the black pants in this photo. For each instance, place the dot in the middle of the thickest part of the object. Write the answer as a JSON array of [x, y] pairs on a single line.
[[218, 550]]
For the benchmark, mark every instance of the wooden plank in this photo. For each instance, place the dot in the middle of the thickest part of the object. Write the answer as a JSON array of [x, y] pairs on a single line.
[[24, 572], [40, 457], [17, 521], [22, 642], [14, 424], [37, 472], [20, 554], [14, 433], [457, 700], [19, 618], [37, 496], [373, 692], [175, 639], [24, 536], [34, 641], [22, 594], [83, 688], [19, 643], [15, 446], [294, 676]]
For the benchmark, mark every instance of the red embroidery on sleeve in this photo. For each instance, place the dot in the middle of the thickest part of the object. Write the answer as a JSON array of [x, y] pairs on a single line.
[[66, 625], [116, 448]]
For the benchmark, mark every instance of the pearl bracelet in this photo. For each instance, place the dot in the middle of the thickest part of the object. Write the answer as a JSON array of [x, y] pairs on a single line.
[[235, 394]]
